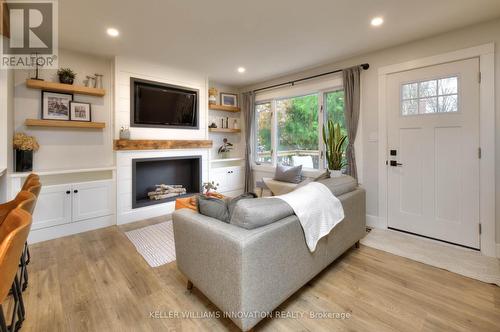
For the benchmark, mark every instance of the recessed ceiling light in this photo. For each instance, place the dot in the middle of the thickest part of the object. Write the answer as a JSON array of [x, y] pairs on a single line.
[[241, 70], [113, 32], [377, 21]]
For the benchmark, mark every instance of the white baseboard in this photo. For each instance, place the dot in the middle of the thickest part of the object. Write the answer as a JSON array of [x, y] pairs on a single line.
[[49, 233], [374, 222]]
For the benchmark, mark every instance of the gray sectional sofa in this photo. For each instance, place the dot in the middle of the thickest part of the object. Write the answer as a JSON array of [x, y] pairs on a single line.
[[247, 272]]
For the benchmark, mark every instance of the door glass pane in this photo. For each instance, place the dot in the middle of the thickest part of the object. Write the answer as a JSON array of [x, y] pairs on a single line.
[[433, 96], [428, 105], [448, 104], [428, 88], [409, 107], [410, 91], [448, 86], [298, 131], [263, 126]]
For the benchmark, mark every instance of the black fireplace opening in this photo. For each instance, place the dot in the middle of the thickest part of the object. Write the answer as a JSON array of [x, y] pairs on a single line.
[[148, 173]]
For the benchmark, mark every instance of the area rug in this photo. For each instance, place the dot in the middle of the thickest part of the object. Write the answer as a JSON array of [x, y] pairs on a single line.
[[467, 262], [155, 243]]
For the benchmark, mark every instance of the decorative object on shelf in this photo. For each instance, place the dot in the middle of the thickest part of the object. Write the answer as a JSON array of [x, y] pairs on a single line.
[[124, 133], [212, 96], [90, 82], [334, 142], [236, 125], [225, 148], [212, 125], [37, 63], [80, 111], [24, 147], [229, 99], [66, 75], [207, 186], [98, 81], [55, 105]]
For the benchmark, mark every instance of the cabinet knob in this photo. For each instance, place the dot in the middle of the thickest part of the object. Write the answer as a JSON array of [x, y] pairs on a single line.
[[68, 192], [75, 191]]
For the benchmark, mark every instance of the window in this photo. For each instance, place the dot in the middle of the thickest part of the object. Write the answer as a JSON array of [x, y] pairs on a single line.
[[298, 142], [263, 125], [429, 97], [292, 127]]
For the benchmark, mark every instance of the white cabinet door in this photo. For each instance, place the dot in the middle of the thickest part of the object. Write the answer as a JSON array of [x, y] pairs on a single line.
[[53, 207], [219, 176], [235, 178], [92, 200], [229, 178]]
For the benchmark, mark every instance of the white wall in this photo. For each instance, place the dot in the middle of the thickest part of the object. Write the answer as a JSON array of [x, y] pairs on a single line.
[[6, 111], [471, 36], [125, 68], [68, 148]]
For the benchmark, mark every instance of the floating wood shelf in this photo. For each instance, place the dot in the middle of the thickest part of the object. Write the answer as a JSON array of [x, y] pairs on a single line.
[[224, 108], [66, 88], [224, 130], [146, 144], [64, 124]]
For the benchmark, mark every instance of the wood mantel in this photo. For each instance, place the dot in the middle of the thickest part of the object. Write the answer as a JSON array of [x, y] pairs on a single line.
[[148, 144]]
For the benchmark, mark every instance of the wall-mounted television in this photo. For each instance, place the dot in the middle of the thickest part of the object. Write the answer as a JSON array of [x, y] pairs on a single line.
[[154, 104]]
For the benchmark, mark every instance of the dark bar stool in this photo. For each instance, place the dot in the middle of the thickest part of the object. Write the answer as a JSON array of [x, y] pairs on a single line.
[[13, 234]]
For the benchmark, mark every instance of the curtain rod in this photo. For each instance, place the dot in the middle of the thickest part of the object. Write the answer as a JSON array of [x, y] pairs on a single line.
[[364, 66]]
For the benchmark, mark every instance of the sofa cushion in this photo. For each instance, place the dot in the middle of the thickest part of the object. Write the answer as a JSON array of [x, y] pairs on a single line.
[[288, 174], [232, 203], [213, 207], [340, 185], [253, 213]]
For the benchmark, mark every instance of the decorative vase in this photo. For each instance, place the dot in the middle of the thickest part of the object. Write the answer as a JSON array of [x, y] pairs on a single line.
[[98, 81], [24, 160], [224, 155], [124, 133], [65, 79], [212, 96], [335, 173]]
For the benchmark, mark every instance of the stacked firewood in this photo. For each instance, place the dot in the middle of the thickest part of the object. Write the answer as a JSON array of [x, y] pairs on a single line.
[[163, 191]]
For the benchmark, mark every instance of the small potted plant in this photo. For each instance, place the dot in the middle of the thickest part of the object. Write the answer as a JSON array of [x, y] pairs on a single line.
[[24, 146], [66, 75], [225, 148], [334, 142]]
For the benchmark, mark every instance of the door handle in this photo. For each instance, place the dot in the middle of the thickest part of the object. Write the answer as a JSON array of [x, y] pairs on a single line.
[[394, 163]]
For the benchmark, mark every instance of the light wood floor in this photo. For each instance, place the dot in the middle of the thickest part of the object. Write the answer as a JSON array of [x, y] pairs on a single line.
[[96, 281]]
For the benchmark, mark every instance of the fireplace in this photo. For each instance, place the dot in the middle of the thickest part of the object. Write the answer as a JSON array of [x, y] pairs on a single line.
[[149, 173]]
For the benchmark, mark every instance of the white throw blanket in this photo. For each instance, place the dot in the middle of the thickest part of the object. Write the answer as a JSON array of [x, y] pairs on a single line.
[[318, 210]]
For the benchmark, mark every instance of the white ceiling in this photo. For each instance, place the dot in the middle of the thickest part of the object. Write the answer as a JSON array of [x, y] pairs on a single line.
[[268, 37]]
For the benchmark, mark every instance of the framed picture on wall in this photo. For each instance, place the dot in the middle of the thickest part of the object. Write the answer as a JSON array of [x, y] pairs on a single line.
[[80, 111], [228, 99], [55, 105]]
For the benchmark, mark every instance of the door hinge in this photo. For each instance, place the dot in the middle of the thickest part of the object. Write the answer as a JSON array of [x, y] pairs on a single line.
[[480, 229], [479, 77], [479, 153]]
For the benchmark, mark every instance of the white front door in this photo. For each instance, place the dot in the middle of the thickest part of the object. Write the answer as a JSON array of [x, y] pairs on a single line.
[[433, 157]]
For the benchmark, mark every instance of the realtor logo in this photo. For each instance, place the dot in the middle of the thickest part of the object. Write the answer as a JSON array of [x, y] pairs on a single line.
[[30, 30]]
